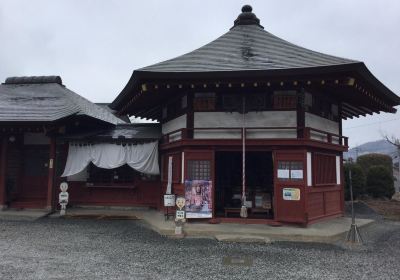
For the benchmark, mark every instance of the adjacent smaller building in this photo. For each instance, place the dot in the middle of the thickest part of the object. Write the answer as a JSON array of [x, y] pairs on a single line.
[[42, 122]]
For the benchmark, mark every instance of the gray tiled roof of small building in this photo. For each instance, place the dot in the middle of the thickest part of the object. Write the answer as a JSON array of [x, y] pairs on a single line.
[[45, 99], [247, 46], [131, 131]]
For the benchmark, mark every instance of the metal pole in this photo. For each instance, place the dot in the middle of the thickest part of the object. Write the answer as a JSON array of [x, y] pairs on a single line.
[[353, 218], [354, 234], [243, 210], [398, 168]]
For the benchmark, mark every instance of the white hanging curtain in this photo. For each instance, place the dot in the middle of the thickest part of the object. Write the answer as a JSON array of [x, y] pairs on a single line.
[[141, 157]]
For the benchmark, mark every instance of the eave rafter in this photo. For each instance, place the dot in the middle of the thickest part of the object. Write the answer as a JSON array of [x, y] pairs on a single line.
[[154, 89]]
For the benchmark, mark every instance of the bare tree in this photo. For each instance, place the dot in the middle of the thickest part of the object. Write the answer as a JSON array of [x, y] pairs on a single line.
[[395, 142]]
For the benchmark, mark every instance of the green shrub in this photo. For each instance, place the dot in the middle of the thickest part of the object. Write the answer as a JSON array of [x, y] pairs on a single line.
[[380, 182], [369, 160], [358, 180]]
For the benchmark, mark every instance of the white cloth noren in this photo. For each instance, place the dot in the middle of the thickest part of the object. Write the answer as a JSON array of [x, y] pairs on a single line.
[[141, 157]]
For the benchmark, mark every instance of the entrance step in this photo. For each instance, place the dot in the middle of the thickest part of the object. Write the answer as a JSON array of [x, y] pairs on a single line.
[[242, 238], [29, 215], [28, 205], [103, 216]]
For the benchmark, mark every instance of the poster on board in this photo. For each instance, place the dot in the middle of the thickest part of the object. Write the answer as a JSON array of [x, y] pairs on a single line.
[[291, 194], [198, 198]]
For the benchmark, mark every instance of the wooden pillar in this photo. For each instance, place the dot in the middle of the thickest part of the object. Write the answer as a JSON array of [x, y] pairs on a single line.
[[51, 176], [3, 164], [190, 115], [301, 114]]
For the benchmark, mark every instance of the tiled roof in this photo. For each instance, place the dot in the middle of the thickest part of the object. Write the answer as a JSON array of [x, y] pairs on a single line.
[[247, 46], [45, 99], [131, 131]]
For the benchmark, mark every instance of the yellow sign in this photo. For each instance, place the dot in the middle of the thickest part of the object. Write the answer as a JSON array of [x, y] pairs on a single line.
[[291, 194]]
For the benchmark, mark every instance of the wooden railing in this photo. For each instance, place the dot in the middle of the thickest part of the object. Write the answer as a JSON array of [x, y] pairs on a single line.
[[230, 133]]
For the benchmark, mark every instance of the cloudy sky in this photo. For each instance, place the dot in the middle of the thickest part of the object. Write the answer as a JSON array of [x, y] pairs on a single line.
[[95, 45]]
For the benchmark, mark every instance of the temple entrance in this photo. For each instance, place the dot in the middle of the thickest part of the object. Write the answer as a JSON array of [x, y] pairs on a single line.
[[259, 184], [27, 180]]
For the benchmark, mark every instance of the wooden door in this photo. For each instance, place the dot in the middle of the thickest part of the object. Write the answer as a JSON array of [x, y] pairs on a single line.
[[35, 172], [289, 181]]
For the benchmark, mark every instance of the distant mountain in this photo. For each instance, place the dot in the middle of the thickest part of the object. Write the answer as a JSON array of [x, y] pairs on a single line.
[[379, 147]]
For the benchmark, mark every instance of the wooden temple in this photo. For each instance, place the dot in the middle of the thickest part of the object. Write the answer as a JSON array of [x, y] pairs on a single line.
[[248, 120], [285, 103]]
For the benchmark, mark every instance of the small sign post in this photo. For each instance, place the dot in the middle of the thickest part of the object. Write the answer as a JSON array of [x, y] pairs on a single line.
[[169, 198], [169, 203], [63, 197], [180, 217]]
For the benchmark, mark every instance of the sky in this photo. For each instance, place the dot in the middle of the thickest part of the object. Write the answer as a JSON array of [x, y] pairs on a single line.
[[94, 45]]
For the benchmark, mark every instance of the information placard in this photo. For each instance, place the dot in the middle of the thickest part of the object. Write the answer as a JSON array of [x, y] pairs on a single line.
[[283, 173], [296, 174], [291, 194], [169, 200]]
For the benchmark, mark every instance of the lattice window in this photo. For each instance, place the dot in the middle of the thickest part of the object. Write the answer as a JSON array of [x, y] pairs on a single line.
[[290, 171], [325, 169], [204, 101], [285, 99], [199, 170]]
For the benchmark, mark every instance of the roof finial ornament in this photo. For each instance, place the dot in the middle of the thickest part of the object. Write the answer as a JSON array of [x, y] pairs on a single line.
[[247, 17], [247, 9]]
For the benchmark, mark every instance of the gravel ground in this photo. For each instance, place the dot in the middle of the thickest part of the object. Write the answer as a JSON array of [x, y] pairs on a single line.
[[88, 249]]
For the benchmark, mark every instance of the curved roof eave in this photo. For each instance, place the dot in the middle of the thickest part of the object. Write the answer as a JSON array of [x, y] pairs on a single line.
[[247, 50], [364, 72], [359, 68]]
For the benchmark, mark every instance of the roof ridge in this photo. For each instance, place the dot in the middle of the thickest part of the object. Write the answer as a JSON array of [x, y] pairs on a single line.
[[33, 80]]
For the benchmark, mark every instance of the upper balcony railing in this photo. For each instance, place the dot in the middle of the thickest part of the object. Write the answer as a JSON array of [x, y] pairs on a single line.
[[251, 133]]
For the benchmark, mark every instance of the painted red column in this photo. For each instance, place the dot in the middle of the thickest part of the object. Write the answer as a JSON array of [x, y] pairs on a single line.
[[51, 176], [3, 164]]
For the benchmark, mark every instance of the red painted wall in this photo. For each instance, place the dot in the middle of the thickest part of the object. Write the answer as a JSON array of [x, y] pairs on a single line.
[[145, 193]]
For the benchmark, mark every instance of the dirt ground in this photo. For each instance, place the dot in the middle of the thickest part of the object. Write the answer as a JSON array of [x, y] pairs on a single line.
[[389, 209]]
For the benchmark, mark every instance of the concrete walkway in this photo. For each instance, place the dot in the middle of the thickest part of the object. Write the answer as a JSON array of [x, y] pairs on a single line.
[[326, 232]]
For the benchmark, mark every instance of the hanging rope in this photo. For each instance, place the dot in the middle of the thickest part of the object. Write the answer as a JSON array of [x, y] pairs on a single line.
[[243, 210]]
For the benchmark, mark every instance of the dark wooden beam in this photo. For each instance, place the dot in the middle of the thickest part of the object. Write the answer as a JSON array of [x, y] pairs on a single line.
[[353, 109], [3, 167], [51, 175], [301, 113]]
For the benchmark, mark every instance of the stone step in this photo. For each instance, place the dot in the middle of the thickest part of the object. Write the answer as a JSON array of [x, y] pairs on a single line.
[[242, 238]]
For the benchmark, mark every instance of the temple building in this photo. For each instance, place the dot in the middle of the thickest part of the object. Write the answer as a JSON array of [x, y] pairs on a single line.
[[248, 121], [251, 91]]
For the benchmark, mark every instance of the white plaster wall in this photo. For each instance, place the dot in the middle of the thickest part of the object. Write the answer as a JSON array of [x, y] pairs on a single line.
[[271, 133], [175, 124], [320, 123], [218, 134], [36, 139], [315, 135], [253, 119]]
